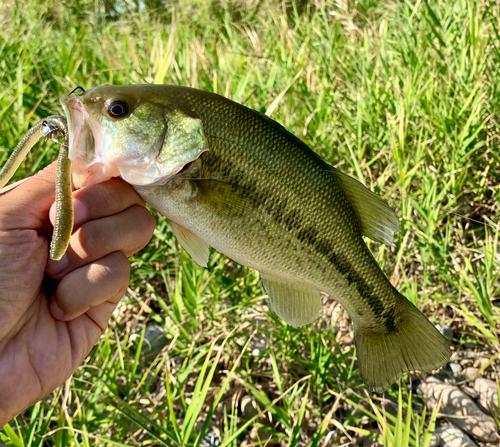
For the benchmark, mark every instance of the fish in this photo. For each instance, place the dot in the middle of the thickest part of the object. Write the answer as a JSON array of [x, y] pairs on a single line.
[[231, 178]]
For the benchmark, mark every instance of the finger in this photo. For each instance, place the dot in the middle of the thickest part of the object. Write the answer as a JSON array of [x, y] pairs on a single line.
[[127, 232], [101, 200], [103, 281], [30, 201]]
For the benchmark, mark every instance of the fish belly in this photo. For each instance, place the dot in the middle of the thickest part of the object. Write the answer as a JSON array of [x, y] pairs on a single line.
[[282, 237]]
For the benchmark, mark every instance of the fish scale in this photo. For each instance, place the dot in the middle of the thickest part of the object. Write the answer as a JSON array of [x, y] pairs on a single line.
[[238, 181], [287, 191]]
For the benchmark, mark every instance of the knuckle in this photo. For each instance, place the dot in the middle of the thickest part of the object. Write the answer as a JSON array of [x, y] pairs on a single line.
[[67, 296], [115, 192], [122, 283], [145, 222], [121, 292], [88, 240], [120, 265], [140, 229]]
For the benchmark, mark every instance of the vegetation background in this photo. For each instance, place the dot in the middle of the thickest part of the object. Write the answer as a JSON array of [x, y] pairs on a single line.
[[403, 95]]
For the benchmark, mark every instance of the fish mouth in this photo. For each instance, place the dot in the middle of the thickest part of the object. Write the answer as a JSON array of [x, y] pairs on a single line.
[[86, 145]]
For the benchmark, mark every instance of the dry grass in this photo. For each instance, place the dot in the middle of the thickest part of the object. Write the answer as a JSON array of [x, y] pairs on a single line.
[[402, 95]]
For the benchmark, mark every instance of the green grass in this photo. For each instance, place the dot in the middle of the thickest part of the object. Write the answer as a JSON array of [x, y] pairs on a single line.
[[403, 95]]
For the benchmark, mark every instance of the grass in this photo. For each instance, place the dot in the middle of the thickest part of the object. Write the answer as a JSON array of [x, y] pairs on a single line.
[[405, 96]]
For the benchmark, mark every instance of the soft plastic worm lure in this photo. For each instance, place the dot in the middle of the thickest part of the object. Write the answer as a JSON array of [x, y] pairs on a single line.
[[50, 128]]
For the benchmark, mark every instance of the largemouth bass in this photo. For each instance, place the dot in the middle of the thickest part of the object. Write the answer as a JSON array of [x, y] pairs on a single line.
[[231, 178]]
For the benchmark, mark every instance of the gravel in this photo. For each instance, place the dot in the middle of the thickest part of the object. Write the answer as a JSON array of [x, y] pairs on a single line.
[[459, 409]]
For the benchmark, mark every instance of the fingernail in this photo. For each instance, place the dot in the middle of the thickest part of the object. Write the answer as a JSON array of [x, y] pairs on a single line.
[[56, 311]]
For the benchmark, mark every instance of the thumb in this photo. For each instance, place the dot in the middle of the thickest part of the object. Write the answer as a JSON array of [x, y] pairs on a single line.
[[27, 205]]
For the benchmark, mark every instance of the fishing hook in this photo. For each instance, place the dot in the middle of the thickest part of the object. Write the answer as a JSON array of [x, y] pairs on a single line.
[[77, 88]]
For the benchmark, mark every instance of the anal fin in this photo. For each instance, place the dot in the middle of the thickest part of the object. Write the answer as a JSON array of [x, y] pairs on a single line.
[[196, 247], [296, 305]]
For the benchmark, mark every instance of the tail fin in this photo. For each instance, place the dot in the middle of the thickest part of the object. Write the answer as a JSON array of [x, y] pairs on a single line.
[[415, 345]]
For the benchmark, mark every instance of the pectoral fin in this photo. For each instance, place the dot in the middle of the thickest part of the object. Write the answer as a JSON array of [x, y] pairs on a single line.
[[223, 198], [196, 247], [294, 304], [377, 220]]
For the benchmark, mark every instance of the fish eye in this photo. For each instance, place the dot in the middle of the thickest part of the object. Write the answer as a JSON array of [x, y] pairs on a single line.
[[118, 108]]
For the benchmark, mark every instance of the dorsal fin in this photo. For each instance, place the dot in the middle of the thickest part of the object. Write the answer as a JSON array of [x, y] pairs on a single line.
[[376, 219]]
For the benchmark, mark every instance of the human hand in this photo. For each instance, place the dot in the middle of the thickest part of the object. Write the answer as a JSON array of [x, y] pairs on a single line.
[[53, 312]]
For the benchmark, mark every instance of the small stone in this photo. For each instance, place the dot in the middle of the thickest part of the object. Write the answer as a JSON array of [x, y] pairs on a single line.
[[446, 330], [452, 436], [459, 409], [481, 361], [455, 368], [153, 332], [365, 420], [154, 339], [488, 395], [469, 345], [469, 373], [211, 439], [435, 440], [471, 392], [258, 345]]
